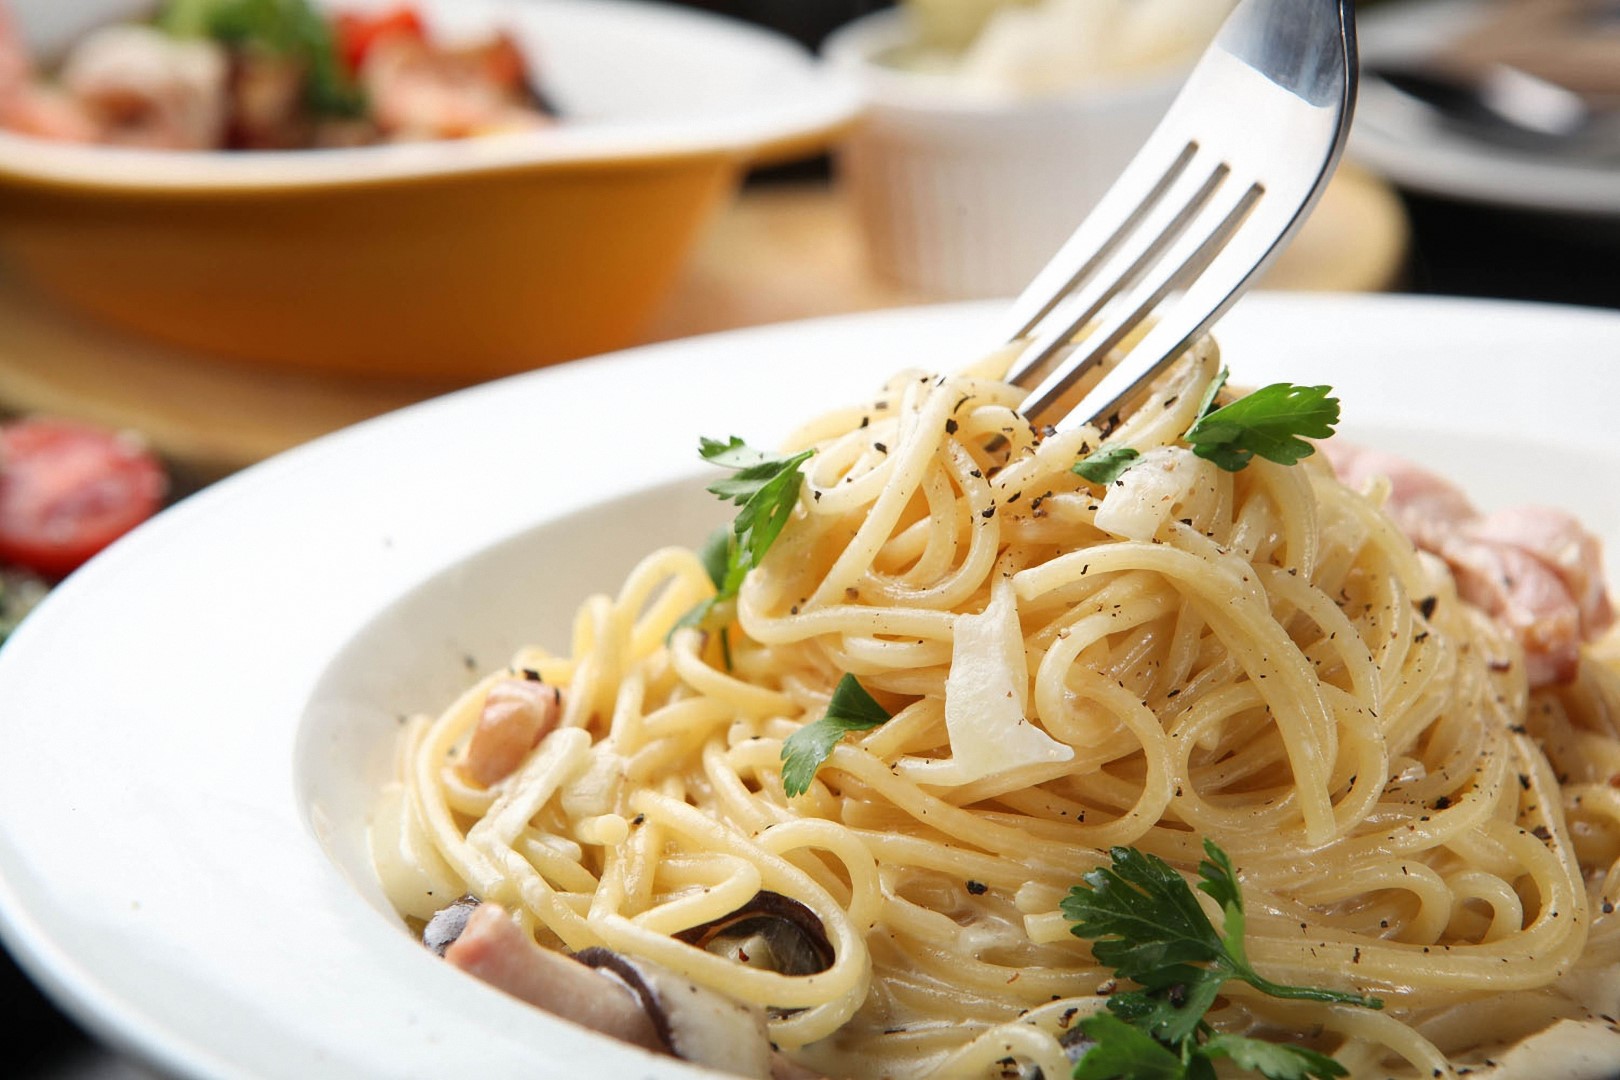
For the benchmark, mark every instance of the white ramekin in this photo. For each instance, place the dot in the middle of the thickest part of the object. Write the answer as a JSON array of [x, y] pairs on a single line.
[[963, 195]]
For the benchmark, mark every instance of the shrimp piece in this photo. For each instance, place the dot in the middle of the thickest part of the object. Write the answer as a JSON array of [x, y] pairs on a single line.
[[147, 89], [47, 113], [16, 65], [29, 107], [517, 714], [418, 91]]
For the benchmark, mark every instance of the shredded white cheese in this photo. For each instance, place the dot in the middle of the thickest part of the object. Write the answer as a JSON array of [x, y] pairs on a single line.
[[985, 701], [1139, 503]]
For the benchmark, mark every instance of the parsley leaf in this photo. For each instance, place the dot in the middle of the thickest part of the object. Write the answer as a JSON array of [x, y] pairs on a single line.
[[290, 28], [1146, 923], [1149, 927], [1272, 422], [1216, 385], [766, 486], [718, 559], [851, 708], [732, 454], [1107, 464], [1218, 880], [1172, 1010], [1124, 1053], [1275, 1061], [1142, 915], [715, 555]]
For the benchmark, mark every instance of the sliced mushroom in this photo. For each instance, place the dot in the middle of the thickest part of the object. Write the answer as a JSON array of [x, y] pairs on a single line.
[[632, 1000], [1075, 1044], [493, 948], [447, 924], [695, 1023], [770, 931]]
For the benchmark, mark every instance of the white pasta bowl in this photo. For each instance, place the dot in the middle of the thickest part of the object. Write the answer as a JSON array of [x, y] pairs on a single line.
[[198, 723]]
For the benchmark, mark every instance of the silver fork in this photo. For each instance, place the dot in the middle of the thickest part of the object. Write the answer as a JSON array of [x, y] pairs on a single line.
[[1224, 181]]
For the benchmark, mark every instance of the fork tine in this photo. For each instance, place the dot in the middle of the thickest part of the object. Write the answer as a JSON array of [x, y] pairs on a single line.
[[1223, 183], [1187, 266], [1212, 292], [1134, 255], [1153, 171]]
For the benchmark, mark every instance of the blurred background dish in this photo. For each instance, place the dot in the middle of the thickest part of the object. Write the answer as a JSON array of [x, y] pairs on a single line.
[[444, 260], [790, 247], [994, 127], [1570, 47], [256, 75], [1043, 48], [349, 345]]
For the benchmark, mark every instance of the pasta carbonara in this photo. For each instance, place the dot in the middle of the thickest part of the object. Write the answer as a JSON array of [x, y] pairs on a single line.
[[1260, 658]]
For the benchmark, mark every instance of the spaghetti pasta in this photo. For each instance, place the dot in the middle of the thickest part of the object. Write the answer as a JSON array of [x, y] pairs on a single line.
[[1260, 658]]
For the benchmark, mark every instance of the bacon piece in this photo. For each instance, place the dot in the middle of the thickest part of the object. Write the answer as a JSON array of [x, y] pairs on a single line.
[[423, 91], [30, 107], [1427, 507], [494, 949], [16, 63], [1534, 570], [632, 1000], [1526, 597], [517, 714], [1563, 544]]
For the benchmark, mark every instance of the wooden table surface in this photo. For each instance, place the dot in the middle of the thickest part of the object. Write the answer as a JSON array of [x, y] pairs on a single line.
[[780, 252]]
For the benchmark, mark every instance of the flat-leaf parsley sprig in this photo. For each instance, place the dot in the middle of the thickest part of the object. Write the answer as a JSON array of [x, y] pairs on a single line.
[[766, 486], [1144, 921], [850, 708], [1105, 464], [1273, 422]]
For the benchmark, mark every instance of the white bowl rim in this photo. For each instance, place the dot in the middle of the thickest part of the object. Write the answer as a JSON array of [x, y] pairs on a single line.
[[852, 49], [818, 103]]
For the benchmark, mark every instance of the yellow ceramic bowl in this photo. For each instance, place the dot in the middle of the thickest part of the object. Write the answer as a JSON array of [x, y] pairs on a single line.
[[447, 261]]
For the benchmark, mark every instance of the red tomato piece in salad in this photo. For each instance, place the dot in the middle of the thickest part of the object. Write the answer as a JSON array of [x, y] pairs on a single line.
[[359, 31], [69, 489]]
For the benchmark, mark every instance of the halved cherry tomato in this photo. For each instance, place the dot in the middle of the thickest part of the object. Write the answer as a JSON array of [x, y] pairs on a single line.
[[358, 31], [69, 489]]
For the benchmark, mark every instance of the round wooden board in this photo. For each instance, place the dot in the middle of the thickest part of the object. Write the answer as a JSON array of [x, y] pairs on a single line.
[[780, 252]]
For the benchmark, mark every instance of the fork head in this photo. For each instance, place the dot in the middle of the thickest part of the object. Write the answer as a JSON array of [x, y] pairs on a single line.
[[1222, 184]]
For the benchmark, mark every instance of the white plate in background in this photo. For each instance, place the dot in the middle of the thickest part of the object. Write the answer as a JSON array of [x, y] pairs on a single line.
[[1404, 141]]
